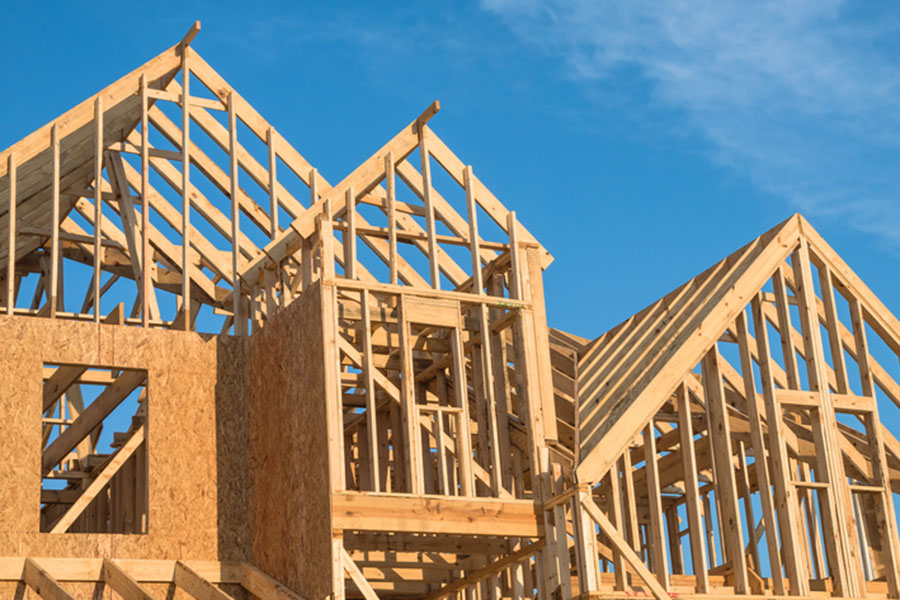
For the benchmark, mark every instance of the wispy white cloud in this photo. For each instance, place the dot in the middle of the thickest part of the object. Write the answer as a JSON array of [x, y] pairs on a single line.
[[801, 97]]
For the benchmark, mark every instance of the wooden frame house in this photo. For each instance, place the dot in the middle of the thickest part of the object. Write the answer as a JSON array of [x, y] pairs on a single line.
[[246, 382]]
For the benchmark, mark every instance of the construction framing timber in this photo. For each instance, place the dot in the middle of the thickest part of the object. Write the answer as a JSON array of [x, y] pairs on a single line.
[[351, 390]]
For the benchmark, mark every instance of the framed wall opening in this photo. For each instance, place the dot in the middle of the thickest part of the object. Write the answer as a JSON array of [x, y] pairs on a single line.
[[93, 450]]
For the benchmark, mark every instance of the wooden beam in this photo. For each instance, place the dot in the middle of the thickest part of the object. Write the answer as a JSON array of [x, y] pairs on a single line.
[[474, 238], [356, 575], [837, 509], [725, 484], [885, 518], [55, 254], [135, 233], [390, 183], [759, 453], [586, 538], [123, 583], [461, 399], [43, 583], [59, 382], [409, 413], [483, 573], [371, 409], [485, 198], [264, 587], [692, 496], [365, 511], [425, 157], [11, 248], [695, 336], [240, 321], [119, 458], [185, 192], [142, 570], [273, 181], [656, 533], [197, 586], [98, 202], [91, 417], [350, 235], [190, 35], [364, 178], [785, 495], [619, 543], [146, 291]]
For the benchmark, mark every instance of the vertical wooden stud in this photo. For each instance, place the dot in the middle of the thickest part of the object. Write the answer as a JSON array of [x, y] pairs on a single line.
[[240, 321], [11, 240], [273, 182], [785, 495], [369, 372], [55, 254], [839, 365], [98, 201], [691, 493], [757, 440], [746, 495], [618, 514], [326, 240], [186, 270], [306, 254], [887, 524], [726, 486], [390, 182], [350, 237], [656, 533], [425, 156], [409, 413], [464, 449], [837, 512], [146, 288], [474, 240]]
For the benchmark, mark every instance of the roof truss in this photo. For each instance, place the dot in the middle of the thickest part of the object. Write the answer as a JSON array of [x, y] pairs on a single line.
[[780, 332], [170, 179]]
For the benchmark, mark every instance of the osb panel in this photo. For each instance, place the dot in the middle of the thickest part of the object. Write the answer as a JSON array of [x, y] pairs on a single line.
[[182, 435], [289, 501], [16, 591], [232, 454], [20, 458]]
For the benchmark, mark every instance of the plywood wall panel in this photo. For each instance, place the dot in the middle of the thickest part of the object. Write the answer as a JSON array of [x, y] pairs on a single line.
[[290, 501], [20, 455], [189, 421], [232, 452]]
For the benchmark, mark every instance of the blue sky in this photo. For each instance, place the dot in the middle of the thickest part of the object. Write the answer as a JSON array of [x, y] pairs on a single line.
[[640, 142]]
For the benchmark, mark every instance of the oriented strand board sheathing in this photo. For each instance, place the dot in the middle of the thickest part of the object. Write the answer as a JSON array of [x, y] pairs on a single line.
[[232, 454], [182, 436], [289, 504]]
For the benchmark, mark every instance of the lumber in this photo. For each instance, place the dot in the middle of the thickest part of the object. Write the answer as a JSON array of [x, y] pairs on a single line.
[[435, 514], [196, 585], [119, 458], [123, 583], [357, 576], [43, 583], [98, 410], [622, 546], [261, 585], [483, 573]]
